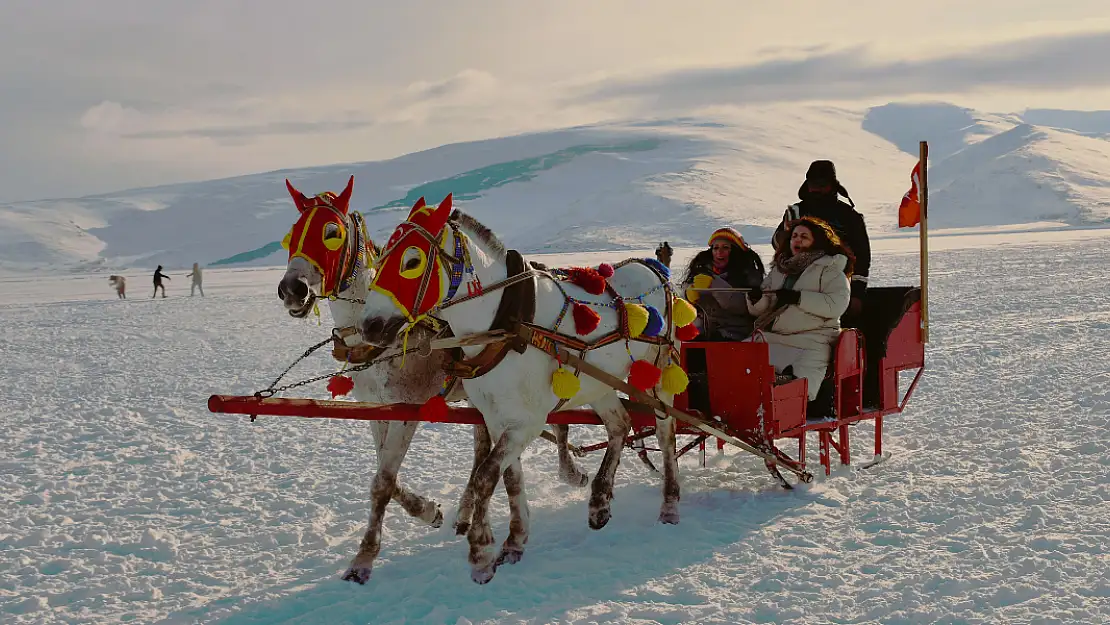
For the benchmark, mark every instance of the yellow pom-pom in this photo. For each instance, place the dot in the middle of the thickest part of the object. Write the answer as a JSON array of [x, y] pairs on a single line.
[[674, 379], [683, 312], [637, 319], [691, 294], [564, 384]]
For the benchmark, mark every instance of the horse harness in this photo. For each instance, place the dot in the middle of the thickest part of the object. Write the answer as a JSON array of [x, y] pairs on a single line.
[[517, 308]]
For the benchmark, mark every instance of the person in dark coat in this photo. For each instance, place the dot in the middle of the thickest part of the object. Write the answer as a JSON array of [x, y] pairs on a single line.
[[728, 263], [819, 198], [158, 275]]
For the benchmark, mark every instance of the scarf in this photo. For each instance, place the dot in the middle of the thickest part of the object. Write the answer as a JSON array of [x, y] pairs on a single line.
[[792, 268]]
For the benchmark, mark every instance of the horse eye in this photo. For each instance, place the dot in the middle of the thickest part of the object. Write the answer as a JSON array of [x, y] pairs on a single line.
[[412, 263], [331, 231]]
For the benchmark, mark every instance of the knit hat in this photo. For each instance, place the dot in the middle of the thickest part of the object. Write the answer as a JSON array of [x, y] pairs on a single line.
[[822, 172], [732, 235]]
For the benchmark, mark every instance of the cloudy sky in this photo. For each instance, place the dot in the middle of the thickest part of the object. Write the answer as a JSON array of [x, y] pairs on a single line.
[[101, 95]]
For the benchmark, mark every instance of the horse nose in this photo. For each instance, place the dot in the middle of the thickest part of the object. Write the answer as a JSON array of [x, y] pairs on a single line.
[[372, 329], [295, 289]]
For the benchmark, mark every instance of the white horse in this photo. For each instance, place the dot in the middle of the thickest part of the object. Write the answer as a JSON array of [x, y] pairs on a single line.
[[414, 271], [331, 255]]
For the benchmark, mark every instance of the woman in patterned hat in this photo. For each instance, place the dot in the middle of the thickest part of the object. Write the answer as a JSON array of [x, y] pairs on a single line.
[[799, 307], [728, 263]]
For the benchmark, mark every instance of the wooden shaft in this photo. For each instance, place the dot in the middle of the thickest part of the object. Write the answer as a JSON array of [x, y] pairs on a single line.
[[924, 235]]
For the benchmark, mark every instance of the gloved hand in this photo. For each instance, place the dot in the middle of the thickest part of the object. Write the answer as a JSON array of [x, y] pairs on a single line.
[[786, 297], [755, 295], [701, 281]]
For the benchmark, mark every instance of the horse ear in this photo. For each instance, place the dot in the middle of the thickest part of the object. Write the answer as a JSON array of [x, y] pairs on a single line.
[[298, 198], [343, 201], [416, 207], [445, 207]]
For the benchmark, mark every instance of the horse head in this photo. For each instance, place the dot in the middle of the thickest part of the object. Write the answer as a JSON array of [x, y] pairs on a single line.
[[323, 249], [664, 253], [411, 278]]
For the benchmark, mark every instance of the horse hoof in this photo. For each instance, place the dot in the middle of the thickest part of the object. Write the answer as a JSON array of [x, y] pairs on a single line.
[[461, 528], [576, 479], [509, 555], [483, 575], [670, 518], [599, 518], [438, 521], [358, 574]]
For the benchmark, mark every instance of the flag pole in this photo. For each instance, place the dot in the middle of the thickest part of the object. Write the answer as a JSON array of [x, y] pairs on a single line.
[[924, 232]]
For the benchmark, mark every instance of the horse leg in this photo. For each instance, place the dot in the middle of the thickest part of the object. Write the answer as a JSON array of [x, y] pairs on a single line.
[[568, 470], [519, 516], [483, 481], [665, 435], [381, 491], [482, 445], [617, 422], [398, 438]]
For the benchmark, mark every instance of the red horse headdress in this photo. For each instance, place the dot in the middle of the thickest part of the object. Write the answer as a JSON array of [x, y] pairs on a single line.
[[320, 235], [410, 270]]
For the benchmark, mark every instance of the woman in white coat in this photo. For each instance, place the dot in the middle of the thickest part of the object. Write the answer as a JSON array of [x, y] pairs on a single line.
[[804, 295]]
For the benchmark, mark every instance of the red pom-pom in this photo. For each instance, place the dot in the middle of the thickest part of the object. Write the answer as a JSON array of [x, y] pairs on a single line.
[[587, 278], [340, 385], [687, 333], [585, 319], [644, 375], [606, 270], [435, 409]]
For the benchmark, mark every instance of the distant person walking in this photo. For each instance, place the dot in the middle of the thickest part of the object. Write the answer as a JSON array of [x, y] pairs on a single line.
[[196, 276], [119, 283], [158, 275]]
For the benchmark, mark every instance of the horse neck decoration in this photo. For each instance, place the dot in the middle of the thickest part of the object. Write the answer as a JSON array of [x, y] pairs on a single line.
[[419, 274]]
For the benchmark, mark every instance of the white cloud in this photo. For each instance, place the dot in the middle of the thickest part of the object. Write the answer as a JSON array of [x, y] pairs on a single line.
[[119, 92]]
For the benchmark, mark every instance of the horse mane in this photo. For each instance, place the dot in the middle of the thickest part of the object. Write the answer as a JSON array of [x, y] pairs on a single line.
[[480, 232]]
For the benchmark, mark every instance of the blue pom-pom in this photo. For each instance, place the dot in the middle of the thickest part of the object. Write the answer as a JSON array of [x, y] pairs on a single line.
[[655, 322], [658, 266]]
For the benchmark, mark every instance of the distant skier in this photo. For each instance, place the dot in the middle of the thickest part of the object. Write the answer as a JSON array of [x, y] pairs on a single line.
[[196, 276], [158, 275], [119, 283]]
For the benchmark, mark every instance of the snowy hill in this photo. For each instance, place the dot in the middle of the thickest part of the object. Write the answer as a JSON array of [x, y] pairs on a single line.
[[619, 185]]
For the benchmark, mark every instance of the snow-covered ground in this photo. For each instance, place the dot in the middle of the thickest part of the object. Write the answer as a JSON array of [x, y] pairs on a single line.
[[123, 500]]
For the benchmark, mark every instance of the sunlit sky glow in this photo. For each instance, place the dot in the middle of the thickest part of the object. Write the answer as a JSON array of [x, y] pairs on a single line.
[[111, 94]]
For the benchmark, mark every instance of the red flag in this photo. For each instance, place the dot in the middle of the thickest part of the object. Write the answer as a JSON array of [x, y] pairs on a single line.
[[909, 212]]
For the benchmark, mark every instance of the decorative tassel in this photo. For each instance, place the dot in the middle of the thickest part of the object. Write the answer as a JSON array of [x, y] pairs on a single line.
[[655, 322], [340, 385], [674, 379], [585, 319], [687, 333], [637, 319], [564, 384], [683, 312], [606, 270], [644, 375], [587, 278], [435, 409], [663, 270]]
